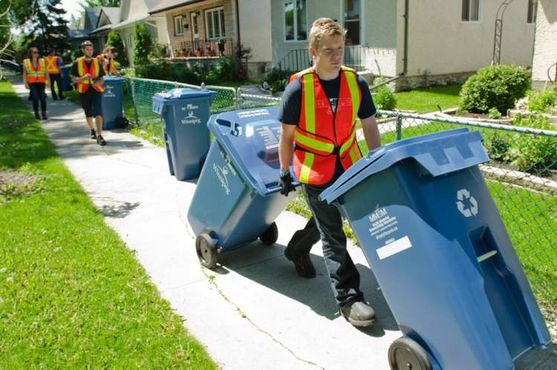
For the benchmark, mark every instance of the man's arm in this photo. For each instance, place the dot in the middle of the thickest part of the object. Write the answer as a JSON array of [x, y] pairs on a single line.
[[371, 132], [25, 77], [285, 145]]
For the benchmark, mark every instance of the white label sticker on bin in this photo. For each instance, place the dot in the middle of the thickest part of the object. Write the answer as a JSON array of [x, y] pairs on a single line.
[[394, 247]]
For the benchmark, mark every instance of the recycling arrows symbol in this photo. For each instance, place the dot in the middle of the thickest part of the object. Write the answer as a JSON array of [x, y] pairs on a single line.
[[462, 195]]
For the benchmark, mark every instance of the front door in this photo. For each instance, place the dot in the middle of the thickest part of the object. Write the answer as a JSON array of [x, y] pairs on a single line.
[[195, 31]]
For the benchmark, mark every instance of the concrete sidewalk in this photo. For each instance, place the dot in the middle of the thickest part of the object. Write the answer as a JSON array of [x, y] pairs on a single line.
[[254, 312]]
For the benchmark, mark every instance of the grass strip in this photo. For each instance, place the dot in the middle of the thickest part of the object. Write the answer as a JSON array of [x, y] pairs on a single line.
[[71, 294]]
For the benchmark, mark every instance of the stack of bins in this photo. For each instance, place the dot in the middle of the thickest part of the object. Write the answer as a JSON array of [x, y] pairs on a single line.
[[435, 241], [184, 114], [112, 101], [237, 198]]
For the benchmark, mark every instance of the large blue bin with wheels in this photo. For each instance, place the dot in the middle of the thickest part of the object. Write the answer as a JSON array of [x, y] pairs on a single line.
[[438, 248], [185, 113], [112, 101], [66, 79], [237, 198]]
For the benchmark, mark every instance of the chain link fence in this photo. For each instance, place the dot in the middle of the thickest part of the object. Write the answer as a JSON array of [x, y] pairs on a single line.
[[521, 175]]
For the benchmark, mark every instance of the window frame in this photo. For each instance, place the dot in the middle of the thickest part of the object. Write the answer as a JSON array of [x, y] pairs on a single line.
[[219, 10], [295, 20], [532, 11], [181, 19], [469, 12]]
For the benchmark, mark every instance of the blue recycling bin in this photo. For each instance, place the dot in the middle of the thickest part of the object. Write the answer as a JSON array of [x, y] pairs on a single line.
[[185, 113], [237, 198], [66, 79], [439, 250], [112, 101]]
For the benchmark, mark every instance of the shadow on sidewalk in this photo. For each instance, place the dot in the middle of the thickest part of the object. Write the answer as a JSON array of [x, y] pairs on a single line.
[[268, 266]]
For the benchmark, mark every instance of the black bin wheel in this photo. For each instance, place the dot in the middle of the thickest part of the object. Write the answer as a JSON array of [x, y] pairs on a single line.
[[407, 354], [270, 236], [206, 250]]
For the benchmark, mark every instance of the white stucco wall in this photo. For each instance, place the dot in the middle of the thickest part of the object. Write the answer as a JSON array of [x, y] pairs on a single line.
[[255, 28], [545, 48], [440, 43]]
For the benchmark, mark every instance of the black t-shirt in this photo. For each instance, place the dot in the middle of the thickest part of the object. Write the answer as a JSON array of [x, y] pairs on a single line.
[[291, 106], [75, 73]]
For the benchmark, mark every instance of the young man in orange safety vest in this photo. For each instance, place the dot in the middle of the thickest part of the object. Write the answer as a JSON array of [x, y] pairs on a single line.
[[53, 64], [35, 78], [319, 110], [106, 58], [88, 75]]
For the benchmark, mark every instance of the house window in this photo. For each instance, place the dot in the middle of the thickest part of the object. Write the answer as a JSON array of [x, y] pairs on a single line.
[[352, 21], [470, 10], [532, 10], [214, 21], [295, 20], [178, 25]]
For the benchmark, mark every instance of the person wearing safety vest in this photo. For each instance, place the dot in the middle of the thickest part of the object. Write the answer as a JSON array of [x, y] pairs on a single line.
[[319, 110], [35, 78], [107, 61], [53, 64], [88, 75]]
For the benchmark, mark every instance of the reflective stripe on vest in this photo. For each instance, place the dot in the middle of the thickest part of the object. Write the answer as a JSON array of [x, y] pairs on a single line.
[[321, 134], [35, 75], [52, 65], [82, 70]]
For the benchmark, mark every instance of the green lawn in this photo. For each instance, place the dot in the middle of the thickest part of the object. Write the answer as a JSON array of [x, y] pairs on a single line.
[[71, 294], [428, 99]]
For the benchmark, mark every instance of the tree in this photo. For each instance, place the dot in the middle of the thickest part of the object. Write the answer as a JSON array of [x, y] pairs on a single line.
[[42, 21], [115, 40], [96, 3], [143, 45]]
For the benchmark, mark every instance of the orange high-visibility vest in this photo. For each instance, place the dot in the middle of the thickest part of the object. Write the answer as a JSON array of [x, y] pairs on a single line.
[[321, 134], [108, 69], [52, 65], [35, 75], [82, 69]]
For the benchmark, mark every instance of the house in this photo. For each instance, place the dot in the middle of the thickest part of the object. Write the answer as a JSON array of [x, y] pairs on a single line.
[[544, 65], [133, 12], [426, 41], [108, 16], [215, 28], [87, 24]]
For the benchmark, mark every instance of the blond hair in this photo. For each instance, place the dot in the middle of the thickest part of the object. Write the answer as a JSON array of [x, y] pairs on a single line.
[[324, 27]]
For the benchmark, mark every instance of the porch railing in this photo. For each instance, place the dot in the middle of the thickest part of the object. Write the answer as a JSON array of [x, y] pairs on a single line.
[[299, 59], [201, 48]]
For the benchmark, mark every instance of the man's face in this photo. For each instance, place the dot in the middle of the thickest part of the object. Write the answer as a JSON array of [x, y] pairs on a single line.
[[329, 54], [87, 51]]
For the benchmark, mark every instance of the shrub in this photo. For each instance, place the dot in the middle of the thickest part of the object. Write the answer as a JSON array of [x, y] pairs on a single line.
[[493, 113], [143, 45], [496, 87], [497, 146], [383, 97], [542, 101], [533, 153], [278, 79]]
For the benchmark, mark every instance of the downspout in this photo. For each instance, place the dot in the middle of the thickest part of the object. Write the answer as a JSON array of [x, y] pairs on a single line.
[[238, 24], [405, 52]]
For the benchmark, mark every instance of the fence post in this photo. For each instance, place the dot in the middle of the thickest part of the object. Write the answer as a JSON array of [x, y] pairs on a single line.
[[136, 116], [398, 126], [238, 99]]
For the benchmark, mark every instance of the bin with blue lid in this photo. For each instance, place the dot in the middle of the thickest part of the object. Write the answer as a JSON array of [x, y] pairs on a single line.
[[112, 101], [185, 113], [237, 198], [434, 239]]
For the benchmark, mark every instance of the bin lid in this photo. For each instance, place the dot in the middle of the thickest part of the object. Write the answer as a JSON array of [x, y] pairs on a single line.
[[251, 139], [112, 78], [439, 154], [185, 93]]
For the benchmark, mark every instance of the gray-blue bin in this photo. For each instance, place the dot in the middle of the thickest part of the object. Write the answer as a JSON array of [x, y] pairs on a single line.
[[237, 198], [185, 113], [112, 101], [439, 250]]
